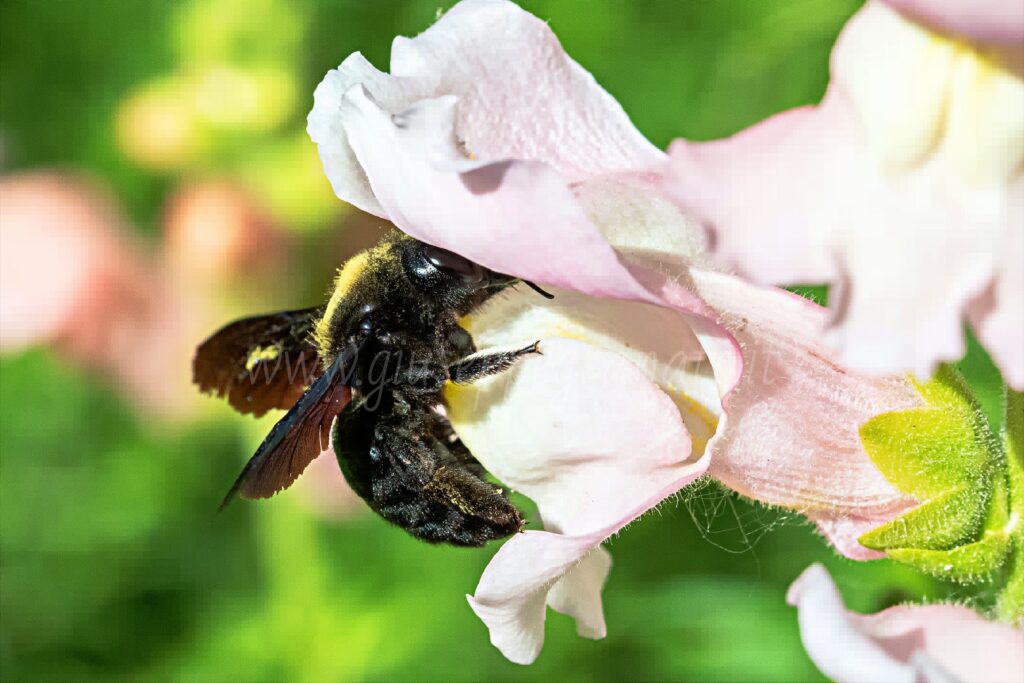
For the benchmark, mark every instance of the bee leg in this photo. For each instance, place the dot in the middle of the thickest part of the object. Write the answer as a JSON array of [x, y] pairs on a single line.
[[421, 487], [427, 378], [478, 366], [483, 511]]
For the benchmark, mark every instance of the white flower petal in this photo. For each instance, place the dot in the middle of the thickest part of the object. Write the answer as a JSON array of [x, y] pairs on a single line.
[[555, 429]]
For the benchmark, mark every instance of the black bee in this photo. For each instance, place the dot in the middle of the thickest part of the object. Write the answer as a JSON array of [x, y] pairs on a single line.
[[376, 358]]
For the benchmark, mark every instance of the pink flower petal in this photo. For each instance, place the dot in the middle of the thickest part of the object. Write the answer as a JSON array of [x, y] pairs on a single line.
[[395, 148], [565, 453], [539, 103], [933, 643], [812, 408], [994, 21], [843, 528], [903, 166], [998, 314], [492, 211]]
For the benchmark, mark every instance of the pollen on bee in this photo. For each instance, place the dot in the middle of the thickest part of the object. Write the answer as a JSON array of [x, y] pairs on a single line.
[[261, 353]]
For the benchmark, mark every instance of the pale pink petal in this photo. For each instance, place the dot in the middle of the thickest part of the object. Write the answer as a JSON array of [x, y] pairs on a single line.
[[913, 159], [520, 96], [412, 160], [933, 643], [749, 190], [810, 407], [769, 190], [842, 529], [565, 453], [569, 460], [998, 314], [995, 21], [578, 593], [816, 466], [656, 339]]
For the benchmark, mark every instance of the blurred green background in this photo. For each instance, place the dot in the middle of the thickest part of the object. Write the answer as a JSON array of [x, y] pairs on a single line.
[[113, 563]]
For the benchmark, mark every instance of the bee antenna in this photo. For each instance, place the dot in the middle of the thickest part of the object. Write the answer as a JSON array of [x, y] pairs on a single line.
[[537, 289]]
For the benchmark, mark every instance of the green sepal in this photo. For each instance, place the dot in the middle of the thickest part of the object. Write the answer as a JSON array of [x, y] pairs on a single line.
[[944, 522], [944, 455], [970, 562], [1010, 606]]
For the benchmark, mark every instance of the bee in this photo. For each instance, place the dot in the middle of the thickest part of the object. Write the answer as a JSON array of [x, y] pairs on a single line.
[[373, 363]]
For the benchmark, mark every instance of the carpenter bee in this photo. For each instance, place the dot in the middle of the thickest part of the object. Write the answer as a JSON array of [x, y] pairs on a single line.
[[373, 363]]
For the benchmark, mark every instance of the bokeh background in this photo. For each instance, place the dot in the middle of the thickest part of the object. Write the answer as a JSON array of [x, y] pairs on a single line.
[[157, 181]]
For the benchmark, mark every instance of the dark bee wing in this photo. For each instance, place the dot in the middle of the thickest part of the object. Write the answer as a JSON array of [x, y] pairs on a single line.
[[298, 438], [260, 363]]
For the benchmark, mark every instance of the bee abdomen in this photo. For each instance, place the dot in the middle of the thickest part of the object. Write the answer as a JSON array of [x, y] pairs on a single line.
[[408, 477]]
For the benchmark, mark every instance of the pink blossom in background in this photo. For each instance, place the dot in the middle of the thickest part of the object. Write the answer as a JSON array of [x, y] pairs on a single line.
[[215, 232], [73, 278], [904, 188], [487, 139], [912, 643]]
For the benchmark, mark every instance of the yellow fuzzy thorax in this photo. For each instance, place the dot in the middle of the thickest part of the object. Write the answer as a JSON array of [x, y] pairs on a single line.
[[347, 276]]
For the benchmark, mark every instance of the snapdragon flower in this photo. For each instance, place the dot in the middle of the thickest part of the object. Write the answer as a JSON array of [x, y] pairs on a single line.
[[904, 188], [486, 139]]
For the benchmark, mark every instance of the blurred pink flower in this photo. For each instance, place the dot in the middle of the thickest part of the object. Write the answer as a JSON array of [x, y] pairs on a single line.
[[73, 277], [216, 232], [904, 188], [915, 644], [487, 139]]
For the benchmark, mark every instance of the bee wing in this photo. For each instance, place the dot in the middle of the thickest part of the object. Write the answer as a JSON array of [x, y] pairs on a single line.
[[260, 363], [298, 437]]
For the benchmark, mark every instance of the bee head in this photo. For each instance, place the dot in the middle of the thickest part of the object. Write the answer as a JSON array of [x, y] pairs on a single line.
[[398, 280], [448, 278]]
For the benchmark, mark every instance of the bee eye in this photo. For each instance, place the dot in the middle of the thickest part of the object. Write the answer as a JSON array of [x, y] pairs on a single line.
[[453, 263]]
